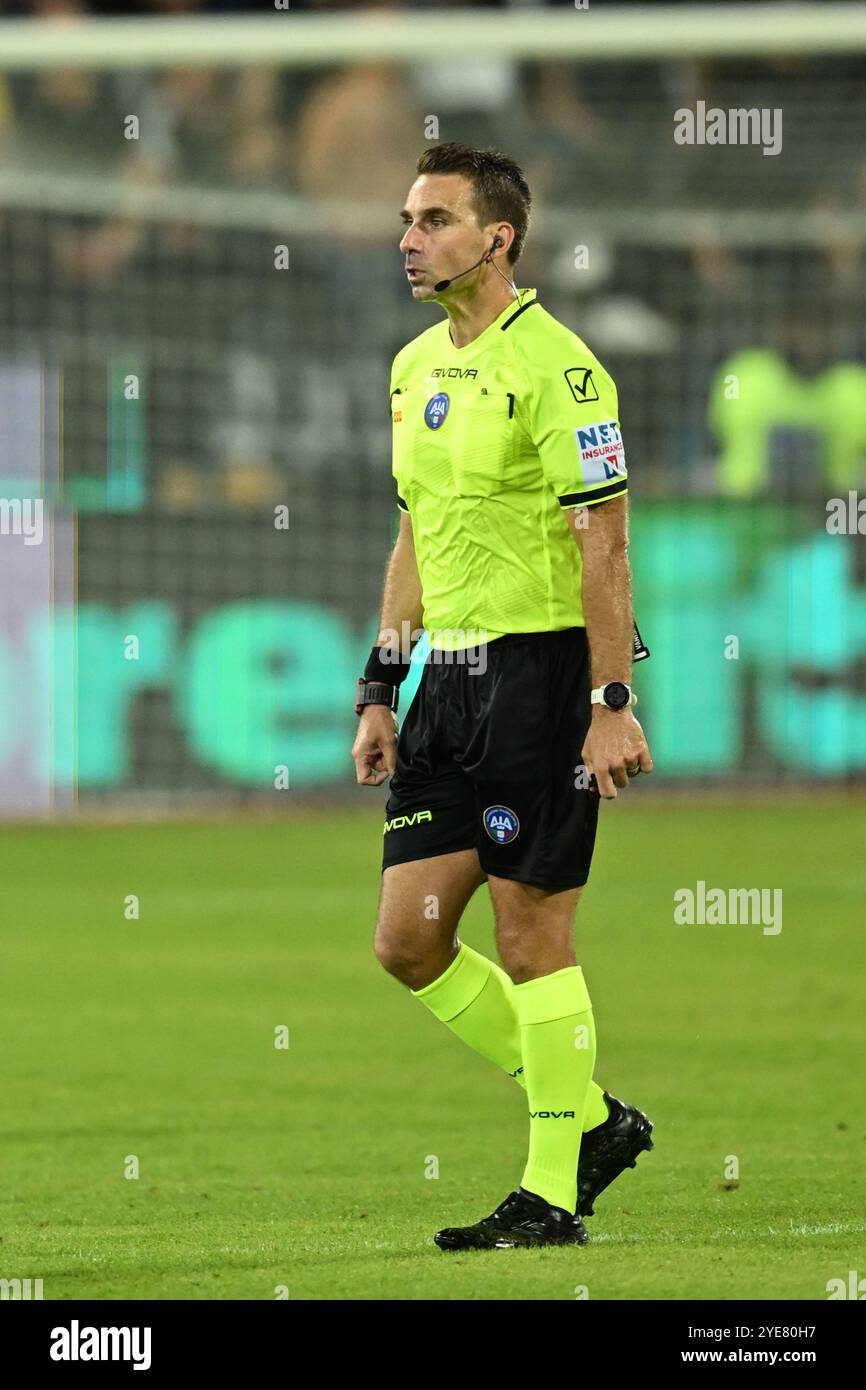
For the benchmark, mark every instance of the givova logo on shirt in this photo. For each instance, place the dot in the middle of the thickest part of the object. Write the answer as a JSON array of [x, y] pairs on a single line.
[[602, 456]]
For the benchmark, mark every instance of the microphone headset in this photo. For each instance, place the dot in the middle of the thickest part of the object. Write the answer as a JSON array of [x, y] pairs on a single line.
[[497, 241]]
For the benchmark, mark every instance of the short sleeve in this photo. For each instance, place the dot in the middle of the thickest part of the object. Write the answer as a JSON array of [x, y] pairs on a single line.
[[574, 424], [395, 416]]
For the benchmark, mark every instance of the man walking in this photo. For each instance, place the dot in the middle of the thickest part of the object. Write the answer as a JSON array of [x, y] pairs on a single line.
[[512, 551]]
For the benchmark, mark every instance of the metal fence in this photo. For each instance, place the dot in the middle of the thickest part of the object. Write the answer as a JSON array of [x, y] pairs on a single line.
[[200, 296]]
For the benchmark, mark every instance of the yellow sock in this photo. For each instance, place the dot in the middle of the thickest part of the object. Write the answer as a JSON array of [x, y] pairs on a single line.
[[475, 999], [557, 1034]]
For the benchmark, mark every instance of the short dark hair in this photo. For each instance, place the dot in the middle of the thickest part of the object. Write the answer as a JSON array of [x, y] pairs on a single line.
[[500, 190]]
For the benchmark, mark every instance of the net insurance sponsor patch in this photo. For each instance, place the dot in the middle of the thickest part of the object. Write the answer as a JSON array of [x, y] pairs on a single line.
[[602, 456]]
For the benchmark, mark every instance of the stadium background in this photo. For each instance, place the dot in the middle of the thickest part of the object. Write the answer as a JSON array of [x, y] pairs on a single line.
[[169, 387], [261, 387]]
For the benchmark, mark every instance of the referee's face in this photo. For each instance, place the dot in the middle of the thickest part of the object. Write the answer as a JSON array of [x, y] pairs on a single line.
[[442, 234]]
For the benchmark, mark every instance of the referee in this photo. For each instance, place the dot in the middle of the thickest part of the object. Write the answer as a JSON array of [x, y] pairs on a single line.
[[512, 552]]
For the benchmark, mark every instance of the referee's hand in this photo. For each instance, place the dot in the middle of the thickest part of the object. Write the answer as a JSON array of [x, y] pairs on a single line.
[[615, 749], [375, 748]]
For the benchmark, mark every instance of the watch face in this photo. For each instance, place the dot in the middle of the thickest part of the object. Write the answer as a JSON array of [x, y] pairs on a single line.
[[616, 695]]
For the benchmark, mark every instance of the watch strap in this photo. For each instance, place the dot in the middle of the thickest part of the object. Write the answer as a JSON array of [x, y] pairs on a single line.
[[375, 693], [597, 695]]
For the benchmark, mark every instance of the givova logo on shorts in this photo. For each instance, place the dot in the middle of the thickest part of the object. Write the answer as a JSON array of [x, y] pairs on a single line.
[[501, 824], [400, 822]]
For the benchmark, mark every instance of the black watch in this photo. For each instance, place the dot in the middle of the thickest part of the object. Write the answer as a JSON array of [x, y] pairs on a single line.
[[616, 695], [375, 693]]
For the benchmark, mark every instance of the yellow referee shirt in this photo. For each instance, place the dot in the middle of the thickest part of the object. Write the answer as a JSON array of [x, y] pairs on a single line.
[[492, 444]]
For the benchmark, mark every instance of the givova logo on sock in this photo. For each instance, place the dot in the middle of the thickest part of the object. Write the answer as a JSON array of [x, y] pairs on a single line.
[[552, 1115], [501, 824]]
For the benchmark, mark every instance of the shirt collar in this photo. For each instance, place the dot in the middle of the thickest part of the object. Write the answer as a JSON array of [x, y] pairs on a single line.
[[525, 297]]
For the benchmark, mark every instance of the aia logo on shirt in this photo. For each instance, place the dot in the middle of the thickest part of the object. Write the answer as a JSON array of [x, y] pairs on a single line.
[[436, 409], [501, 824]]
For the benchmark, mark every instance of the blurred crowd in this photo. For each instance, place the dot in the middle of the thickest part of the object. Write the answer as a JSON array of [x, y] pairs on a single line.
[[142, 7], [585, 133], [246, 357]]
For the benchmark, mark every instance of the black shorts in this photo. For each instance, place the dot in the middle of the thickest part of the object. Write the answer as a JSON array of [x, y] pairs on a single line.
[[489, 758]]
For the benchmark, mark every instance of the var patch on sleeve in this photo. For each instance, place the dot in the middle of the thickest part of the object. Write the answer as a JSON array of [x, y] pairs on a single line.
[[581, 383]]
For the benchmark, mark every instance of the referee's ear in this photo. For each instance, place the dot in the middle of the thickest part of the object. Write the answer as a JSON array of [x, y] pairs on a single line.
[[504, 234]]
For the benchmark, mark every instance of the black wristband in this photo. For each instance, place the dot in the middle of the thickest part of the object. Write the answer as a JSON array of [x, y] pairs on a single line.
[[389, 672]]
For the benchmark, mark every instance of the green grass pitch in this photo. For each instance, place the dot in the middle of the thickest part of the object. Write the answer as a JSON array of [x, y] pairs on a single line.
[[304, 1168]]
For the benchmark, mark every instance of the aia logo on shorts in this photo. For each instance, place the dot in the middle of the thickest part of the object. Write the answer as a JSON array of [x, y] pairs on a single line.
[[501, 824]]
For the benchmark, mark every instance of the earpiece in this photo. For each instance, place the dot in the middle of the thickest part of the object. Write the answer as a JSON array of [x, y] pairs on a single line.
[[497, 241]]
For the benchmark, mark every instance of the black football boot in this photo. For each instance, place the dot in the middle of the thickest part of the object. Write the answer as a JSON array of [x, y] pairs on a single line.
[[522, 1219], [609, 1149]]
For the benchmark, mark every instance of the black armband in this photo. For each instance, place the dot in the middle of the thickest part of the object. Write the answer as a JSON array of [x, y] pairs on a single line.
[[389, 672]]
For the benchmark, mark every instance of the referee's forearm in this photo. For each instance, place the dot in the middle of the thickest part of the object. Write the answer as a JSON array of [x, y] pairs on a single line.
[[402, 607], [607, 612]]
